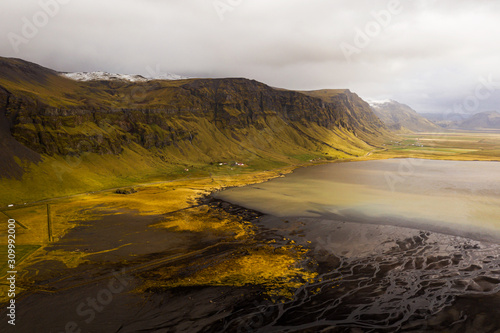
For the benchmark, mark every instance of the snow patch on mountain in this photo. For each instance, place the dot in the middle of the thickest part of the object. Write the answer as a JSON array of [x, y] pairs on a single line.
[[380, 102], [168, 76], [105, 76]]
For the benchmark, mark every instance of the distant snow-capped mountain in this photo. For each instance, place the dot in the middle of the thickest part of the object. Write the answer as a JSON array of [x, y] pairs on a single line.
[[105, 76], [401, 117]]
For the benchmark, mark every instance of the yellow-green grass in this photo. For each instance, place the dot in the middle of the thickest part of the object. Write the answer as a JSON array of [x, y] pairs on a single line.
[[59, 91], [277, 270], [22, 252], [196, 144], [150, 199], [454, 146], [324, 94], [263, 149]]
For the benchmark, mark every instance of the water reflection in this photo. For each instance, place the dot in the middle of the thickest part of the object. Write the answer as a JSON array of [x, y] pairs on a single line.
[[456, 197]]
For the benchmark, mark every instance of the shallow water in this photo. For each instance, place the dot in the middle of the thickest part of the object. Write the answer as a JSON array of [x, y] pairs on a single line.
[[402, 246], [453, 197]]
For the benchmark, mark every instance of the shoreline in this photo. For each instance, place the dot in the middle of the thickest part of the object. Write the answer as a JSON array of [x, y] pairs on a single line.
[[251, 248], [373, 155], [217, 229]]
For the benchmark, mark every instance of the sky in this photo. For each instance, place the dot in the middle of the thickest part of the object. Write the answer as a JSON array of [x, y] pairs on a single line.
[[434, 55]]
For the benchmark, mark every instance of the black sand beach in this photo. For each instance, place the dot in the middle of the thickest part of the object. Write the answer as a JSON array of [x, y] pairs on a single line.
[[372, 278]]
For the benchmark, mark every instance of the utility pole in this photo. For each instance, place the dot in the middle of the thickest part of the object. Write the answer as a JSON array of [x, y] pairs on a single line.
[[49, 223]]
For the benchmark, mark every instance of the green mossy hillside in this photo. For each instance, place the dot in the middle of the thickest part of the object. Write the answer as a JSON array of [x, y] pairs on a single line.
[[84, 136]]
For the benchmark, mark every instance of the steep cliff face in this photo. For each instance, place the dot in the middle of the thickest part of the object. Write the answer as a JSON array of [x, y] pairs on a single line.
[[227, 104], [176, 123], [355, 111], [10, 148]]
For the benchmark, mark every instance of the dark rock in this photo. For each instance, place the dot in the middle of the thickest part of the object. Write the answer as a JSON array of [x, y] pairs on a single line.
[[125, 191]]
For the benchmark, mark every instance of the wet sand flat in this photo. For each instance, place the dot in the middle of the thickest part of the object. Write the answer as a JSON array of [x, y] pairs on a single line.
[[379, 278], [420, 254], [275, 257], [162, 258]]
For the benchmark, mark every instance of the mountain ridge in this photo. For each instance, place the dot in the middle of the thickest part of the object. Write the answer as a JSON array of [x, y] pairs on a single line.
[[401, 117], [483, 120], [167, 127]]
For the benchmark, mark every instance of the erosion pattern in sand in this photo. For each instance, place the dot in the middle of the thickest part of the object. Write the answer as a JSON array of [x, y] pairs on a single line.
[[379, 276]]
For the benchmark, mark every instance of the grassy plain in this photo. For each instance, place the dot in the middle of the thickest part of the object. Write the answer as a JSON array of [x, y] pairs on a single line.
[[176, 204], [460, 146]]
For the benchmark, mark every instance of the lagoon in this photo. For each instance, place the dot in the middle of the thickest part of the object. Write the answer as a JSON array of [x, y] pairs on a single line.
[[453, 197]]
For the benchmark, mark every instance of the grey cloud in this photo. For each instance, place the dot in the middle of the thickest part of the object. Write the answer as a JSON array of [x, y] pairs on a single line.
[[430, 56]]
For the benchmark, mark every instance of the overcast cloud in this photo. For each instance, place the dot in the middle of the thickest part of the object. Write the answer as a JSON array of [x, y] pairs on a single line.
[[432, 55]]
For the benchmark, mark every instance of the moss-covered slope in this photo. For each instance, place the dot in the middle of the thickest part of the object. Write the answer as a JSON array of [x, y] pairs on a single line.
[[80, 136]]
